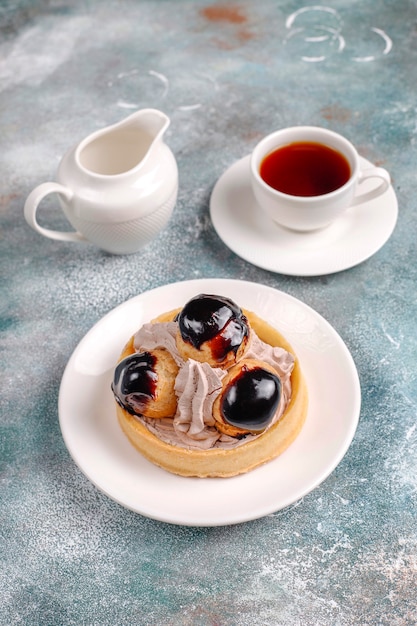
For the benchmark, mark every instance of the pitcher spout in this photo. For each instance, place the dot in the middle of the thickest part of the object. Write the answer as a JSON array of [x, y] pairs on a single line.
[[151, 122], [124, 146]]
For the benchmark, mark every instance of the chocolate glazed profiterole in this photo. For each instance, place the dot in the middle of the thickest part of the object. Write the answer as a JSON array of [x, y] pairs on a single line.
[[212, 329], [144, 382], [237, 403], [249, 398]]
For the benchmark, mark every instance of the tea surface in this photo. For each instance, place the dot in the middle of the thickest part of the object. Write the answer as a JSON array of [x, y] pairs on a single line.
[[305, 169]]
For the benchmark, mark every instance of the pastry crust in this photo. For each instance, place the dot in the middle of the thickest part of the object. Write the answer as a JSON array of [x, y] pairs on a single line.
[[218, 462]]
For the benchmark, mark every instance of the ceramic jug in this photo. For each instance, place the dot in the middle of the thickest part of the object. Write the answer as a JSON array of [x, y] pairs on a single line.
[[117, 187]]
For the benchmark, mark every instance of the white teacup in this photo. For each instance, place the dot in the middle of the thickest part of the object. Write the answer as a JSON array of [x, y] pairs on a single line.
[[318, 210]]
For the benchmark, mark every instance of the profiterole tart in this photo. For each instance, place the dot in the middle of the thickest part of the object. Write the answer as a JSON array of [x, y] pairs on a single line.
[[209, 390]]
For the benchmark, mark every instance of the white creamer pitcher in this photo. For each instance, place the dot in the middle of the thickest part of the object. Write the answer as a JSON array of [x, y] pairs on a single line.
[[117, 188]]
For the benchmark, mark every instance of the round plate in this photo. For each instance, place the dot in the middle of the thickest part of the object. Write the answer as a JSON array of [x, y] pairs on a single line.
[[94, 439], [248, 232]]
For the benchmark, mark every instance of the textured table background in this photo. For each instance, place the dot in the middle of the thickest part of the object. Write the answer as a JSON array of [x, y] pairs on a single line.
[[226, 74]]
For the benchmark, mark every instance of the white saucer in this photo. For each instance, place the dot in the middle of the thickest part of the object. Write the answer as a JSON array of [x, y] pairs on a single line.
[[95, 441], [250, 234]]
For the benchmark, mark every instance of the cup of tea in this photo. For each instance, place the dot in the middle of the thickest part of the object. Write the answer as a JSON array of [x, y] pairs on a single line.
[[305, 177]]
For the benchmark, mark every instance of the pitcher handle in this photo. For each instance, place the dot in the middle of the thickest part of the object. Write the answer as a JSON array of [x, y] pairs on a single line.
[[31, 205]]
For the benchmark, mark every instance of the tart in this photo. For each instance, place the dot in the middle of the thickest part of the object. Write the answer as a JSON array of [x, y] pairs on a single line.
[[234, 437]]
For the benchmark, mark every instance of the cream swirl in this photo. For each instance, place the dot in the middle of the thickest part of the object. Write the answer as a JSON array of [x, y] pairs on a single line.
[[197, 386]]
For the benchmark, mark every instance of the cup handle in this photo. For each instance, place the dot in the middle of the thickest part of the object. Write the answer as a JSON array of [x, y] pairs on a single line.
[[31, 205], [372, 172]]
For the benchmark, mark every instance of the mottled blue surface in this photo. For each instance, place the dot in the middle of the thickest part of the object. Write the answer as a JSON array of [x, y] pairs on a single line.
[[226, 75]]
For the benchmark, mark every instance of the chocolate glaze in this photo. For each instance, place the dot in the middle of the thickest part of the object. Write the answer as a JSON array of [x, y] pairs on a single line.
[[251, 399], [214, 319], [134, 382]]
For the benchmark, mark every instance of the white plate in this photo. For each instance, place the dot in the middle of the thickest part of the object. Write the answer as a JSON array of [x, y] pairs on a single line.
[[98, 446], [248, 232]]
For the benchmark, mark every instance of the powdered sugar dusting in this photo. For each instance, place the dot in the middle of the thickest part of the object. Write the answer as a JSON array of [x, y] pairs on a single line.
[[226, 75]]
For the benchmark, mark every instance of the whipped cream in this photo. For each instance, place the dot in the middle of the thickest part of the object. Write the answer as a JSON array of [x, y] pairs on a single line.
[[197, 386]]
